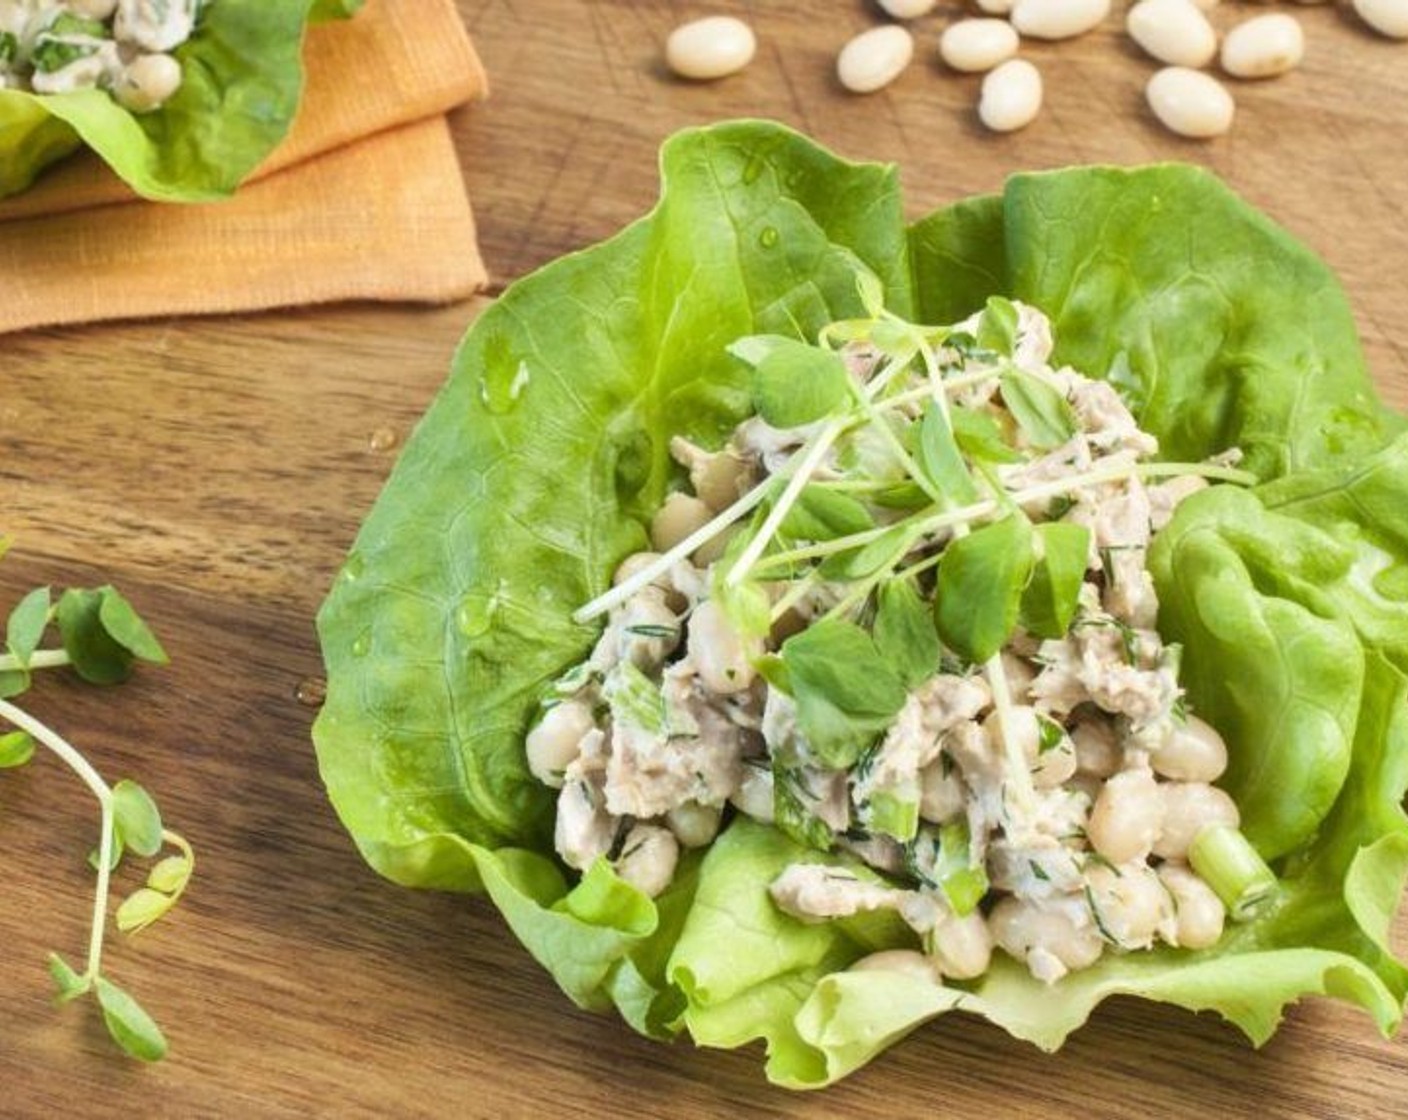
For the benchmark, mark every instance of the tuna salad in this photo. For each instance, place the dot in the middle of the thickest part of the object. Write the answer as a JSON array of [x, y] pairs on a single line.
[[122, 46], [903, 614]]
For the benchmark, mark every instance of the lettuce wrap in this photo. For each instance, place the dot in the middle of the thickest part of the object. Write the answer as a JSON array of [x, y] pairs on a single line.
[[242, 81], [534, 472]]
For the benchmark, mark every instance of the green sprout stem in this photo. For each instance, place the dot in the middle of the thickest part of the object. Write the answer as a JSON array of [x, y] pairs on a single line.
[[39, 659], [1225, 859], [103, 792]]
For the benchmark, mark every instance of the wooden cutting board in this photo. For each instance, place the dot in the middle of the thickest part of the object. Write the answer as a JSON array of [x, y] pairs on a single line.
[[217, 469]]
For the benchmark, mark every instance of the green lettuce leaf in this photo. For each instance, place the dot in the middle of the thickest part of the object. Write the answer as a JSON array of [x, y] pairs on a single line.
[[242, 80], [539, 464]]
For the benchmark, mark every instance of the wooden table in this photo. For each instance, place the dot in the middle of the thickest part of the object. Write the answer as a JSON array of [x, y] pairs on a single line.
[[217, 469]]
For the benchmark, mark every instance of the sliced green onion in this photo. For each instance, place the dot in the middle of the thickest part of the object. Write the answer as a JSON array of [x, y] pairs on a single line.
[[1227, 862]]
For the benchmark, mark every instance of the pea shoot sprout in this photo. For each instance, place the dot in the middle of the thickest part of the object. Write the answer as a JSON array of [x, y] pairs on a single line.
[[101, 637]]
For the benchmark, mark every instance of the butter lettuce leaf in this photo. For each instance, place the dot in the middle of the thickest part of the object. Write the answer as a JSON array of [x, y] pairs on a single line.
[[538, 466], [242, 80]]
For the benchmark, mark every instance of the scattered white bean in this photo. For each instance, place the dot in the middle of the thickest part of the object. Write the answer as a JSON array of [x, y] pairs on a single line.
[[1188, 808], [907, 962], [1263, 46], [974, 45], [648, 858], [710, 48], [1058, 19], [1194, 752], [1173, 31], [1011, 96], [1127, 816], [680, 515], [555, 741], [1387, 17], [995, 7], [908, 9], [1190, 102], [874, 58]]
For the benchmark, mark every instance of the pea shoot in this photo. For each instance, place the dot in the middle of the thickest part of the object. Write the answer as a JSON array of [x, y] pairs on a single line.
[[101, 637]]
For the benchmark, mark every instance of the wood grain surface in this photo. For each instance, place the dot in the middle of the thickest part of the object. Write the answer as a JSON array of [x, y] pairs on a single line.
[[217, 469]]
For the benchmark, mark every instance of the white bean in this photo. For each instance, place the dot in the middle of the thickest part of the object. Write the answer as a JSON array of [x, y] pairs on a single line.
[[995, 7], [722, 656], [1387, 17], [1058, 19], [1173, 31], [1190, 102], [753, 796], [677, 517], [1263, 46], [693, 824], [907, 962], [1129, 902], [1127, 817], [709, 48], [1036, 936], [147, 82], [1188, 808], [555, 741], [1198, 911], [974, 45], [648, 858], [874, 58], [713, 549], [962, 947], [1194, 752], [1011, 96], [908, 9]]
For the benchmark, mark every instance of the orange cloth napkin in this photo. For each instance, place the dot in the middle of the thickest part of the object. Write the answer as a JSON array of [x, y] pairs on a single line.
[[365, 199]]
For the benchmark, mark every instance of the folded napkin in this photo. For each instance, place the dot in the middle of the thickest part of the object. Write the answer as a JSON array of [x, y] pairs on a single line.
[[365, 198]]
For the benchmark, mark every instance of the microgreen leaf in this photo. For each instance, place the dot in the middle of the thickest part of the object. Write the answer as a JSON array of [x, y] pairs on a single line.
[[170, 875], [793, 383], [997, 326], [1050, 600], [125, 626], [13, 682], [16, 748], [746, 605], [980, 437], [857, 563], [114, 859], [69, 983], [939, 459], [635, 699], [131, 1027], [903, 495], [27, 623], [820, 514], [980, 584], [136, 819], [96, 655], [846, 693], [141, 908], [904, 632], [898, 341], [872, 293], [1043, 414], [773, 669]]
